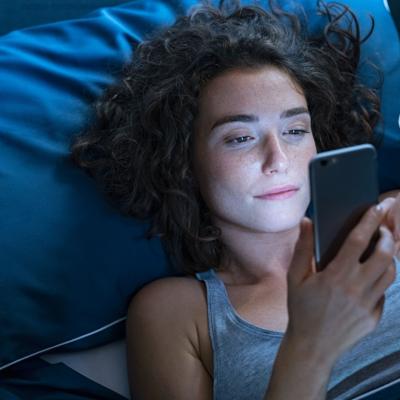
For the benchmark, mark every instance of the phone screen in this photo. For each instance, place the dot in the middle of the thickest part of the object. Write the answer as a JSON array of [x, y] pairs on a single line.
[[344, 185]]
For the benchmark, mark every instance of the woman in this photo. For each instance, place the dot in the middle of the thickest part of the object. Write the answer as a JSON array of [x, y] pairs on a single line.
[[209, 136]]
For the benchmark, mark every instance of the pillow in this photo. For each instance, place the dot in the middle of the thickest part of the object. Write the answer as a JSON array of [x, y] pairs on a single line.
[[382, 49], [69, 262], [25, 13]]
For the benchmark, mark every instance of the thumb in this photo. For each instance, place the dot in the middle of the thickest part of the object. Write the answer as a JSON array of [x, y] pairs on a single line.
[[302, 263]]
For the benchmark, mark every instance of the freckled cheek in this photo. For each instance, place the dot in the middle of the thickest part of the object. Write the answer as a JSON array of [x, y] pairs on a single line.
[[228, 173], [304, 157], [221, 172], [298, 164], [224, 176]]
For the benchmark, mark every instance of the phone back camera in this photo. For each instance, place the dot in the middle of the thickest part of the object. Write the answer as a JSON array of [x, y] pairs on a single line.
[[324, 162]]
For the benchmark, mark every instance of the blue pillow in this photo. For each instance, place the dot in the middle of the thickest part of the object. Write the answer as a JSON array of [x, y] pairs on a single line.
[[69, 262], [382, 49]]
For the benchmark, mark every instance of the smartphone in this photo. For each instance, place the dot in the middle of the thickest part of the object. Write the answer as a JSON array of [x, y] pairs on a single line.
[[343, 184]]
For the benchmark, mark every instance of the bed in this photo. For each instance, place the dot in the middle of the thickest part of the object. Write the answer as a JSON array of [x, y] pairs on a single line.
[[69, 261]]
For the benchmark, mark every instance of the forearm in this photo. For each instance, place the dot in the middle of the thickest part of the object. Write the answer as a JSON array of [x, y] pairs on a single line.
[[299, 373]]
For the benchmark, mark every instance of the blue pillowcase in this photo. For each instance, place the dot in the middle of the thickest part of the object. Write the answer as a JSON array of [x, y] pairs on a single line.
[[69, 262], [383, 50]]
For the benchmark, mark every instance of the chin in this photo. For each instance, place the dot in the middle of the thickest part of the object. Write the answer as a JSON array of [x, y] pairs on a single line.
[[275, 225]]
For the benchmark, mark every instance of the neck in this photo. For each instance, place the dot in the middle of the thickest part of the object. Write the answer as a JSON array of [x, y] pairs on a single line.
[[251, 258]]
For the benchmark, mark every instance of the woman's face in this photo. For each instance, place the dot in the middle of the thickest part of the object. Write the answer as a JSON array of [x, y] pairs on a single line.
[[253, 137]]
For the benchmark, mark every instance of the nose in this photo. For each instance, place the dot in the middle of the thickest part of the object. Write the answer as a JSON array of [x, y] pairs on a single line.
[[275, 158]]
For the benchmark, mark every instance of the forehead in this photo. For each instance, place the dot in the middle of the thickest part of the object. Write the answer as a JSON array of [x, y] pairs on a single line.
[[240, 90]]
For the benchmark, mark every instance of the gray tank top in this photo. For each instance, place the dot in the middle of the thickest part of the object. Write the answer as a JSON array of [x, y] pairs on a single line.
[[244, 354]]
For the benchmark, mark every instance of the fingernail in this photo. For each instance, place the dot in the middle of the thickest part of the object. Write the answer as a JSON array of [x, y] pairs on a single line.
[[378, 208]]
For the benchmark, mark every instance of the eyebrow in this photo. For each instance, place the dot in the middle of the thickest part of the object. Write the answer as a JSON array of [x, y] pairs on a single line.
[[253, 118]]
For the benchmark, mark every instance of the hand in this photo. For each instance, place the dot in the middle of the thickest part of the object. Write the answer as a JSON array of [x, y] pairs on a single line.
[[391, 220], [331, 310]]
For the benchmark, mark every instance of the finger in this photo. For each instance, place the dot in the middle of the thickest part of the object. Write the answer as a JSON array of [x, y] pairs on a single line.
[[396, 218], [385, 250], [359, 237], [378, 309], [374, 269], [391, 219], [381, 285], [387, 204], [302, 260], [397, 249]]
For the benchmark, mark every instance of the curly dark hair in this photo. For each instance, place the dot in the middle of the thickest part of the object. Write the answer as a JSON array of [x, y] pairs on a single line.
[[139, 148]]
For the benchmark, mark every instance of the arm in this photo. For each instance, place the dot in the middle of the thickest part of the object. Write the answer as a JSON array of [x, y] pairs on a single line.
[[163, 356], [328, 313], [331, 310], [298, 373], [163, 345]]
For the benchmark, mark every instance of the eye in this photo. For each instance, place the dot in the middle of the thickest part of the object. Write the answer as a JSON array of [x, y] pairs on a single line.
[[238, 140], [296, 132]]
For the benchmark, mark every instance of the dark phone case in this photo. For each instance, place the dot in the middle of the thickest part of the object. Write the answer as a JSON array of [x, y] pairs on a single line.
[[344, 185]]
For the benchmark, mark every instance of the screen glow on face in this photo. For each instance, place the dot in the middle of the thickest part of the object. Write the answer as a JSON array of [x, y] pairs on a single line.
[[253, 136]]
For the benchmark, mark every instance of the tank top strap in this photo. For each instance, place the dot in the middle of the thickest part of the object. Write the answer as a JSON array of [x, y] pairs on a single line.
[[221, 312], [240, 349], [217, 302]]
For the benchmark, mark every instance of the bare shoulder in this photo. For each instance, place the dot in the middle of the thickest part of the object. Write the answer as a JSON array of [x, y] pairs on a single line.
[[176, 306], [168, 348], [166, 296]]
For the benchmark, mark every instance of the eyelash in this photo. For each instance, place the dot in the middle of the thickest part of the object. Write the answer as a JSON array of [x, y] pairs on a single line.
[[300, 132], [232, 141], [294, 132]]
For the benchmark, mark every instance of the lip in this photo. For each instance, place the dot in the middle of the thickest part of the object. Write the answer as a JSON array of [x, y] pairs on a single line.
[[279, 193]]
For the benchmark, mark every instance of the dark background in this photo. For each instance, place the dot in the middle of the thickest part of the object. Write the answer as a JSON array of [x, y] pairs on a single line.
[[16, 14], [395, 10]]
